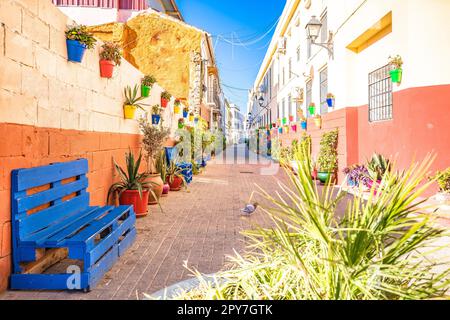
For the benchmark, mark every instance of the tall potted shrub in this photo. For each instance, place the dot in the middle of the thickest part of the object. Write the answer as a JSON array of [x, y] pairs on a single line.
[[165, 98], [78, 39], [156, 114], [131, 102], [133, 187], [327, 158], [396, 72], [153, 141], [147, 83], [110, 56]]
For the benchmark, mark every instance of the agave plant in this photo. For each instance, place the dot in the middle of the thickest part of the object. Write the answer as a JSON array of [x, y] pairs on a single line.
[[130, 179], [379, 249], [131, 97], [174, 171], [378, 166]]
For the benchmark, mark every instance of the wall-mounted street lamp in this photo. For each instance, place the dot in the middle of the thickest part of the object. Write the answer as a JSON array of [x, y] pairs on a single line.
[[313, 31]]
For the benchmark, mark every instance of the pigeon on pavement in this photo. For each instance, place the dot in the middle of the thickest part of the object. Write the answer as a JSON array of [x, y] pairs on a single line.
[[250, 208]]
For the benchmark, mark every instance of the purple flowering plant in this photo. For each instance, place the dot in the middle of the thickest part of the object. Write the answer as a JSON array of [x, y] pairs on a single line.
[[357, 174]]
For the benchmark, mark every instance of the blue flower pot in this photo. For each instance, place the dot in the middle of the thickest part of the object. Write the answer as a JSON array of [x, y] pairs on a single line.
[[75, 50], [185, 114], [195, 120], [304, 125], [330, 102], [156, 118]]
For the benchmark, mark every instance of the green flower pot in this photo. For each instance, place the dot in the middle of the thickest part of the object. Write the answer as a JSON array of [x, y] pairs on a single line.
[[145, 91], [396, 75], [324, 177], [284, 120], [312, 110]]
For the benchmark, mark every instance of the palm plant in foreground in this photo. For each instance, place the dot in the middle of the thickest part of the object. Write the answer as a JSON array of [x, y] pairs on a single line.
[[381, 248]]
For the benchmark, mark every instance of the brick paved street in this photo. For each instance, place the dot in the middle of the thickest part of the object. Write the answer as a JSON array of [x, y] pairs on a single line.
[[200, 225]]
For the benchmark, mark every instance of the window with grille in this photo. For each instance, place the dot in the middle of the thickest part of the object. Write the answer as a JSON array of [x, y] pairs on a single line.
[[308, 98], [380, 94], [323, 91]]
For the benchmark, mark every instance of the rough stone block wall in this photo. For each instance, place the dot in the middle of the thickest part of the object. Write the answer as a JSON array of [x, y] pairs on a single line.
[[52, 110]]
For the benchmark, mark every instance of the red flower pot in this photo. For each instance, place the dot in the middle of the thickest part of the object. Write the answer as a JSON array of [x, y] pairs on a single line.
[[164, 102], [106, 68], [291, 118], [131, 197], [176, 183]]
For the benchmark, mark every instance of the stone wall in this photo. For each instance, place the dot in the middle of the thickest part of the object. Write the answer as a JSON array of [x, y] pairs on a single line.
[[52, 110]]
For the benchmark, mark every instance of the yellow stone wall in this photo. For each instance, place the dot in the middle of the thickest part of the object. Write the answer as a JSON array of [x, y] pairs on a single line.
[[157, 45]]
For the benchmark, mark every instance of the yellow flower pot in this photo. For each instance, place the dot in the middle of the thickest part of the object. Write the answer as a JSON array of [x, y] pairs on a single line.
[[129, 111], [191, 118], [318, 122], [176, 109]]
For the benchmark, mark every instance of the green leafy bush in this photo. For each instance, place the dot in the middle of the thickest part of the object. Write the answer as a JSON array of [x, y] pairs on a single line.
[[327, 159], [443, 180], [378, 166], [111, 52], [81, 34], [148, 81]]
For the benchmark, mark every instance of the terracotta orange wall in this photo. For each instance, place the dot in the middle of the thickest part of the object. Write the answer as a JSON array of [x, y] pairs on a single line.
[[23, 146], [420, 124]]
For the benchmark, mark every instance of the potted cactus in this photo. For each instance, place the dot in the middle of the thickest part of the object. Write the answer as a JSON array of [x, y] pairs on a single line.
[[78, 39], [176, 106], [396, 72], [330, 100], [131, 102], [110, 56], [156, 114], [312, 108], [165, 98], [147, 83]]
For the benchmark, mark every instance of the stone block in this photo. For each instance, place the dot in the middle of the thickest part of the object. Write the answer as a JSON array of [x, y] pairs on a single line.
[[6, 240], [17, 108], [35, 29], [58, 42], [11, 15], [45, 62], [10, 75], [19, 48], [49, 117]]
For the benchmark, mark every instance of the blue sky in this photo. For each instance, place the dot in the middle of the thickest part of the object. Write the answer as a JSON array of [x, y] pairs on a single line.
[[246, 23]]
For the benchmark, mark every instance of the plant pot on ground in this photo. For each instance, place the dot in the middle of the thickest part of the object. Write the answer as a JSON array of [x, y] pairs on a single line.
[[327, 158], [443, 180], [131, 103], [146, 85], [174, 177], [134, 187], [165, 98], [78, 39], [110, 56]]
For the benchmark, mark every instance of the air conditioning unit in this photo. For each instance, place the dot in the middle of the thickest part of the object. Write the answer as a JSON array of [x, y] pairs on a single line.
[[282, 45]]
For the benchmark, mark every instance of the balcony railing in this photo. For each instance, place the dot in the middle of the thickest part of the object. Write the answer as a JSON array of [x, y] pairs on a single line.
[[112, 4]]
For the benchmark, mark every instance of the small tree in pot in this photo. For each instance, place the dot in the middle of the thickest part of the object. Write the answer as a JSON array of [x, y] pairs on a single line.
[[327, 159], [153, 140], [110, 56]]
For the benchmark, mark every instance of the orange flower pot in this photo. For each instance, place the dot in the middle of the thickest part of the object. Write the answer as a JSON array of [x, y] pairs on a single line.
[[131, 197]]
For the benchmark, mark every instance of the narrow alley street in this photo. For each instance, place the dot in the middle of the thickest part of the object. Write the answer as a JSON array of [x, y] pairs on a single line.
[[201, 225]]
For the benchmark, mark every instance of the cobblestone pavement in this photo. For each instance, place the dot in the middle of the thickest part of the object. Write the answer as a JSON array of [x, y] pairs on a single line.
[[201, 225]]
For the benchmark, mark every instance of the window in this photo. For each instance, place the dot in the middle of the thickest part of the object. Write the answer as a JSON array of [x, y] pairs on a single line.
[[323, 91], [380, 94], [308, 98], [324, 29], [298, 53]]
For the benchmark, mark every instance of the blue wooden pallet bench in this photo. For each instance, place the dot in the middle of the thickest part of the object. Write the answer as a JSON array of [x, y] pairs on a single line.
[[51, 217]]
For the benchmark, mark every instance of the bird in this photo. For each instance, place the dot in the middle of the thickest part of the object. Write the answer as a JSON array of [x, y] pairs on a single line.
[[250, 208]]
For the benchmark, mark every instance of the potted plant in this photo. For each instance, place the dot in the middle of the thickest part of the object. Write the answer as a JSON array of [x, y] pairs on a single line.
[[396, 73], [312, 108], [147, 83], [161, 166], [165, 98], [294, 127], [153, 141], [174, 177], [357, 175], [181, 123], [191, 117], [443, 180], [318, 121], [156, 114], [327, 158], [133, 187], [185, 112], [78, 39], [284, 120], [330, 100], [176, 106], [377, 167], [280, 130], [131, 102], [291, 118], [196, 119], [304, 123], [110, 56]]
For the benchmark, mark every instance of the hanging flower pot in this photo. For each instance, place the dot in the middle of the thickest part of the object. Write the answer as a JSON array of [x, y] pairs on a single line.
[[156, 118], [294, 127], [185, 113], [274, 125], [284, 120], [304, 125], [176, 109], [280, 130], [146, 85], [191, 117], [291, 118], [165, 98], [78, 39], [286, 129], [106, 68], [312, 109], [396, 75], [330, 100], [129, 111], [181, 123], [196, 120], [318, 121]]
